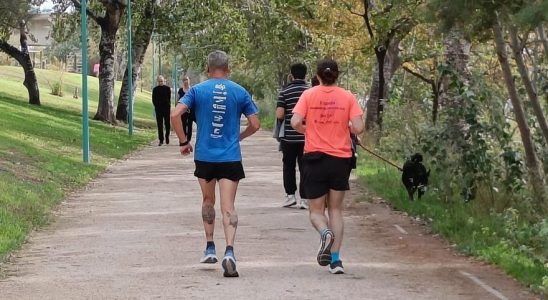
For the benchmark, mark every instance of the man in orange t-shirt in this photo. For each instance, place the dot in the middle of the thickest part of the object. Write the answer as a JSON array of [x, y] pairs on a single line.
[[331, 114]]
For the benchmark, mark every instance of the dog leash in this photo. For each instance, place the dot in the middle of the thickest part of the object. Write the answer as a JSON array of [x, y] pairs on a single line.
[[378, 156]]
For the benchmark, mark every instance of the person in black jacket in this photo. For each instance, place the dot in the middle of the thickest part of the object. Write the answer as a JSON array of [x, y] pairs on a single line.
[[161, 98], [188, 117]]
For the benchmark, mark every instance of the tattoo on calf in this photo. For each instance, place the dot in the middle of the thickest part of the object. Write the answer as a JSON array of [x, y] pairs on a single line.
[[232, 219], [208, 214]]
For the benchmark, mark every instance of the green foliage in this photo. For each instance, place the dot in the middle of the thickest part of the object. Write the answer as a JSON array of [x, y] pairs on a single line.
[[13, 11], [57, 88]]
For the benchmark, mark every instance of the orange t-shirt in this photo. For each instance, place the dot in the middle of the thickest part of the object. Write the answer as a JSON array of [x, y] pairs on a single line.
[[327, 111]]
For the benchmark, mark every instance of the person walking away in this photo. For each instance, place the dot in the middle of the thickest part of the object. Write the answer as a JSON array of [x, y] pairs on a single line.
[[353, 138], [292, 142], [218, 104], [328, 110], [188, 117], [161, 98]]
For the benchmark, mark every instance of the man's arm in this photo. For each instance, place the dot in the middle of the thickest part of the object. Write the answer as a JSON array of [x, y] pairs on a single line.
[[297, 123], [280, 113], [167, 97], [280, 106], [154, 97], [253, 124]]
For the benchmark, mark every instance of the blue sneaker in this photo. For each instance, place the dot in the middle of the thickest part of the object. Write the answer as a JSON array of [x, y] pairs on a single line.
[[210, 256], [229, 265], [336, 267]]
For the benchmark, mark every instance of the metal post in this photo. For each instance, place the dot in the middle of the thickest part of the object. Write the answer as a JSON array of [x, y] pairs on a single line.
[[129, 70], [174, 77], [85, 113], [160, 57], [153, 63]]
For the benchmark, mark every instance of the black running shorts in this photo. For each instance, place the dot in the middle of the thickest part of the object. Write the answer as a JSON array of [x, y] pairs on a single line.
[[323, 172], [218, 170]]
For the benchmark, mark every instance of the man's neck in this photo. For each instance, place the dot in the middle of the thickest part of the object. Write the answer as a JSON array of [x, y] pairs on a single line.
[[218, 74]]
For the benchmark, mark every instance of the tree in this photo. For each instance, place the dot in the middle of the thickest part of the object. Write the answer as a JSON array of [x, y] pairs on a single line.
[[480, 18], [16, 14], [386, 25], [142, 34], [108, 19]]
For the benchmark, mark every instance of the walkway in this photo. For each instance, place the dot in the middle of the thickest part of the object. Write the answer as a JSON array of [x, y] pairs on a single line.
[[136, 233]]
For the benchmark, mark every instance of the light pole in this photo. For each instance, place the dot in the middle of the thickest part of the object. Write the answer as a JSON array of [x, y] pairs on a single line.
[[174, 78], [153, 63], [85, 113], [129, 70]]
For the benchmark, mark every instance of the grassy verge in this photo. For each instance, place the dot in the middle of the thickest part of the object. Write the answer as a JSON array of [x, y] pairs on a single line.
[[40, 150], [516, 246]]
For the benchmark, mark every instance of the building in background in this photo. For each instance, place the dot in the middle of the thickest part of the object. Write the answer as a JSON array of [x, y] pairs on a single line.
[[39, 27]]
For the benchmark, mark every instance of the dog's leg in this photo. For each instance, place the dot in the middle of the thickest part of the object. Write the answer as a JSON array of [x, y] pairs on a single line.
[[411, 193]]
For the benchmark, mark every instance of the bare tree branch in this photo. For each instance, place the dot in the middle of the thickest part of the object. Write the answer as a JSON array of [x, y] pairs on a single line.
[[366, 18], [418, 75], [91, 13]]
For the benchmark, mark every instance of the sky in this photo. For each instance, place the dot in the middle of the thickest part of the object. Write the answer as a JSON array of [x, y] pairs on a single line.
[[47, 5]]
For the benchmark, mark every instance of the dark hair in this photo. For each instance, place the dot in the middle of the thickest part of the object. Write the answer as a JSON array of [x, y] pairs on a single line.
[[315, 81], [328, 71], [298, 71]]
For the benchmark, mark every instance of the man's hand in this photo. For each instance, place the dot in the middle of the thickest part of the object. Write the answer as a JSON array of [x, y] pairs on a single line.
[[186, 149]]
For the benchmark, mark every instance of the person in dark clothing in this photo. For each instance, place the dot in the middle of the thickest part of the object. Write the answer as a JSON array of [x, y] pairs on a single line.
[[292, 142], [161, 98], [315, 81], [188, 117]]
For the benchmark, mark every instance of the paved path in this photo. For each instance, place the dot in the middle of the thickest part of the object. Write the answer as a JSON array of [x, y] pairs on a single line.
[[136, 233]]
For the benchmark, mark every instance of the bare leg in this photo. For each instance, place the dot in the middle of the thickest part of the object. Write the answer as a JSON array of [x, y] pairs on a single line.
[[317, 212], [230, 217], [336, 224], [208, 207]]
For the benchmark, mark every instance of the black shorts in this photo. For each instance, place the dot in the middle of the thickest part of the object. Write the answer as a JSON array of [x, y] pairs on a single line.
[[218, 170], [323, 172]]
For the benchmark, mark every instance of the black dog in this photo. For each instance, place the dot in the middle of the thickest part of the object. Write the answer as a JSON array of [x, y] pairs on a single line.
[[415, 176]]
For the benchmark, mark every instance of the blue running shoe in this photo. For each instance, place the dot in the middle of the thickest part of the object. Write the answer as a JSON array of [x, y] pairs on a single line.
[[336, 267], [210, 257], [229, 265]]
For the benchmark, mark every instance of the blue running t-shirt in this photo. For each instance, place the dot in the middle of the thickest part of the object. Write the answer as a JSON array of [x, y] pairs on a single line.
[[218, 104]]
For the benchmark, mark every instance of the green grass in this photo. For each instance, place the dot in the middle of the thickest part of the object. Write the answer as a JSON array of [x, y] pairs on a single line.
[[516, 246], [40, 149]]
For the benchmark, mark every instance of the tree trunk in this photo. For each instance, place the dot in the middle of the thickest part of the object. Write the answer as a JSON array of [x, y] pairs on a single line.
[[387, 63], [517, 50], [532, 163], [109, 27], [542, 36], [23, 58], [143, 33], [457, 57], [435, 86]]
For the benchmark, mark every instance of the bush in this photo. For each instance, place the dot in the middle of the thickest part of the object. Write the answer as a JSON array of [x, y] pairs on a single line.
[[57, 88]]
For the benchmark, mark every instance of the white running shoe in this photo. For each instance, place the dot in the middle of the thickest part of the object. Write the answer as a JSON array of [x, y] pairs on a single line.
[[209, 257], [290, 200], [229, 266], [303, 204]]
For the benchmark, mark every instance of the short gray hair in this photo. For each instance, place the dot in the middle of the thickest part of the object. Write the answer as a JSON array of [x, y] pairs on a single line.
[[217, 60]]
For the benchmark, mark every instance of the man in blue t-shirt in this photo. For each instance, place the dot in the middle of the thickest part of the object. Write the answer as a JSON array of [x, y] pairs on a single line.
[[218, 104]]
